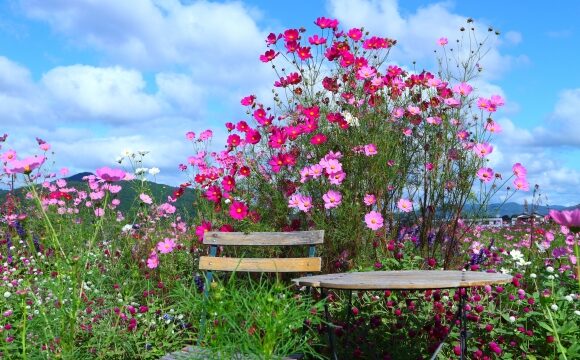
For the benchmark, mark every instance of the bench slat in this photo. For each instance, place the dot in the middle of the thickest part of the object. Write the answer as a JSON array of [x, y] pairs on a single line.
[[260, 264], [264, 238]]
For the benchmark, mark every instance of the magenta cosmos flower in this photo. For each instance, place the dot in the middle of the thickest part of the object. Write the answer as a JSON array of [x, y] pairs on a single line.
[[568, 218], [374, 220], [238, 210], [110, 175]]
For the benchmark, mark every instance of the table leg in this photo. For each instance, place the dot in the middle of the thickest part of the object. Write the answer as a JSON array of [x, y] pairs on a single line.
[[329, 326], [463, 323]]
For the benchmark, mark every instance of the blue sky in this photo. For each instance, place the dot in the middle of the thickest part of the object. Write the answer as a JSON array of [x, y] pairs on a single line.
[[96, 77]]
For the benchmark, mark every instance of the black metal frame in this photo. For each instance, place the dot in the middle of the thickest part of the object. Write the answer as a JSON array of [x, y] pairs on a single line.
[[459, 315]]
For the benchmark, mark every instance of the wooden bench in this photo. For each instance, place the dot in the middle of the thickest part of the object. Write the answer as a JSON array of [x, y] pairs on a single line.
[[212, 263]]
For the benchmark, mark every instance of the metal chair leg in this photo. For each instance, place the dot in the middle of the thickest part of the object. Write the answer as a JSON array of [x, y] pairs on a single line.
[[329, 328], [463, 323]]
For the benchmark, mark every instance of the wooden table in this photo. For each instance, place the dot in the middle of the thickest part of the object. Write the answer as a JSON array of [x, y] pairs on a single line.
[[406, 280]]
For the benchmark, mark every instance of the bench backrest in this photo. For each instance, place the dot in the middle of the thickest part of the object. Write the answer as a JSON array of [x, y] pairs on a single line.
[[304, 264]]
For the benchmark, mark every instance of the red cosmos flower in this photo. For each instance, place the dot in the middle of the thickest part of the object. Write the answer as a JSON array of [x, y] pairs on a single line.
[[213, 194], [294, 78], [332, 53], [288, 159], [230, 126], [202, 229], [59, 195], [277, 139], [268, 56], [347, 59], [318, 139], [244, 171], [325, 23], [334, 117], [248, 100], [200, 178], [226, 228], [291, 35], [233, 140], [291, 46], [304, 53], [272, 39], [238, 210], [228, 183], [377, 43], [330, 84], [253, 136]]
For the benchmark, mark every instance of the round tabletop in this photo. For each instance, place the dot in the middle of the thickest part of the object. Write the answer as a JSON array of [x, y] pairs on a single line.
[[404, 280]]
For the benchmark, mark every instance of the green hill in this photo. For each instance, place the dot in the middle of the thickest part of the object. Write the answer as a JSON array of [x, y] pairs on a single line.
[[129, 195]]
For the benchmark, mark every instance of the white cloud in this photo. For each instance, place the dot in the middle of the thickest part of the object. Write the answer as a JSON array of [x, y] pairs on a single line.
[[111, 93]]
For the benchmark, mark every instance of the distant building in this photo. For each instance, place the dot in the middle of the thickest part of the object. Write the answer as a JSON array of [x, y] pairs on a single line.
[[527, 218], [488, 222]]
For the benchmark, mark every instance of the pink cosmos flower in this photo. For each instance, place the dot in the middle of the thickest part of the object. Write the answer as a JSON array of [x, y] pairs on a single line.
[[521, 184], [331, 199], [153, 261], [8, 156], [205, 135], [233, 140], [238, 210], [374, 220], [366, 72], [166, 246], [452, 102], [463, 89], [369, 199], [370, 149], [332, 166], [294, 201], [442, 41], [568, 218], [519, 170], [485, 174], [434, 120], [110, 175], [429, 166], [413, 110], [315, 171], [398, 112], [497, 100], [316, 40], [228, 183], [213, 193], [99, 212], [145, 198], [407, 132], [493, 127], [166, 209], [336, 178], [405, 205], [482, 149], [45, 146], [190, 135], [305, 203], [24, 166]]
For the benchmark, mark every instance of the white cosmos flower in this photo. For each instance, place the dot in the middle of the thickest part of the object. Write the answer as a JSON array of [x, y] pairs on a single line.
[[154, 171]]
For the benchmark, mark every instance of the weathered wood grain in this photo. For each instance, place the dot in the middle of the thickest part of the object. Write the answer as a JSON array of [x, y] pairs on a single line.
[[264, 238], [310, 264], [404, 280]]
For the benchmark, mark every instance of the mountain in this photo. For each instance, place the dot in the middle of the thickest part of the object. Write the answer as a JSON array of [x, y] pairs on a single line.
[[129, 195], [512, 208]]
